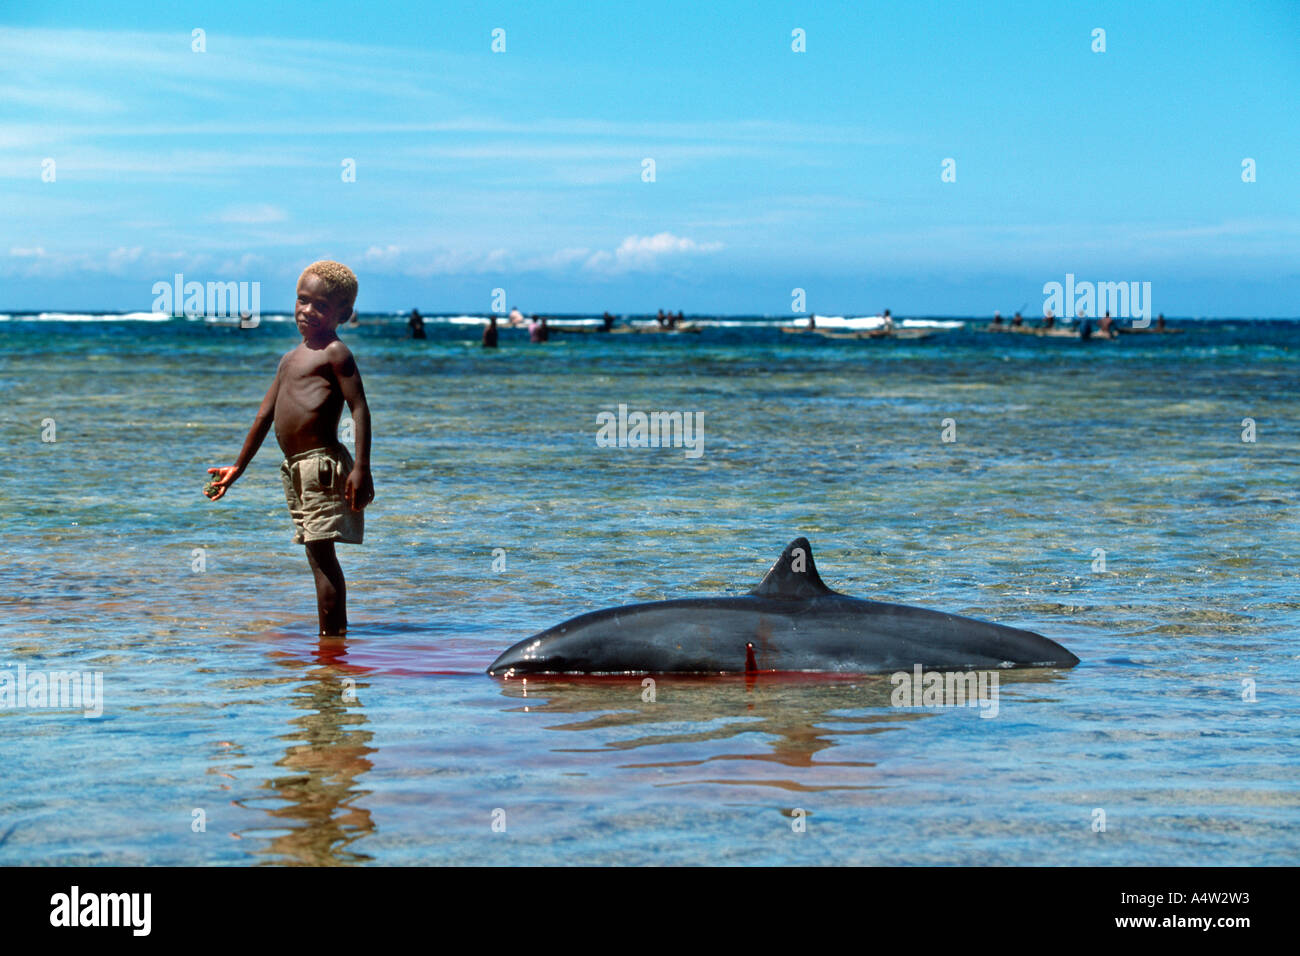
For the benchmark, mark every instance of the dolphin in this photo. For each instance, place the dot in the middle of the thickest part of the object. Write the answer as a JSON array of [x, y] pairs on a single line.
[[791, 622]]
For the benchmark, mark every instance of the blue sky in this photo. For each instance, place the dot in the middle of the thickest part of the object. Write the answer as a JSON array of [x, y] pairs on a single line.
[[773, 169]]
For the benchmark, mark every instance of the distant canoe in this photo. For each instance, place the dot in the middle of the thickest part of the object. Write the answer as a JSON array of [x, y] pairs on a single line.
[[1053, 333], [657, 329], [575, 329], [913, 334]]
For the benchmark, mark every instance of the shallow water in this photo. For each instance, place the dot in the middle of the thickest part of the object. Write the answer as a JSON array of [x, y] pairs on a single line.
[[394, 748]]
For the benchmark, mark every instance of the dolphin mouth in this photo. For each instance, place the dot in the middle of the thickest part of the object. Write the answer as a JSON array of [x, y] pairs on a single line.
[[1061, 657], [516, 661], [501, 667], [518, 658]]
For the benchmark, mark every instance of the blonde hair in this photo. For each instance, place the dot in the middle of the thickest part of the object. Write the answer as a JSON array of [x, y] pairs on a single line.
[[340, 281]]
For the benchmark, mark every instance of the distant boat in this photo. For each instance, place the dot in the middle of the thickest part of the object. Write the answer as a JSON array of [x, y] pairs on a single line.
[[575, 329], [657, 329], [896, 333], [1149, 330], [1052, 333]]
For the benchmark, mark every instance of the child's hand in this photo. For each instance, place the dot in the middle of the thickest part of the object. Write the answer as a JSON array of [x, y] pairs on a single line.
[[359, 490], [225, 477]]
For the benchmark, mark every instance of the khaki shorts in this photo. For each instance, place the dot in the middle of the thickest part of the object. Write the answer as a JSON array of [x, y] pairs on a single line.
[[313, 488]]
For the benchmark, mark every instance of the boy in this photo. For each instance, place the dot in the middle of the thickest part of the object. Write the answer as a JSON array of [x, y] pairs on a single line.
[[324, 488]]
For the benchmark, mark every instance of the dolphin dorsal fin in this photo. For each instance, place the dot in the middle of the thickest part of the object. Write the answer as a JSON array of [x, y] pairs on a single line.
[[794, 575]]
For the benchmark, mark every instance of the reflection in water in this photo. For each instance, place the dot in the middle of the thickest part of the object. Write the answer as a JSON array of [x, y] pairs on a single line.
[[799, 716], [327, 752]]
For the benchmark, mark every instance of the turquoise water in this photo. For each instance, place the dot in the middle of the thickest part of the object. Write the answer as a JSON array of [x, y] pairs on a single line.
[[394, 748]]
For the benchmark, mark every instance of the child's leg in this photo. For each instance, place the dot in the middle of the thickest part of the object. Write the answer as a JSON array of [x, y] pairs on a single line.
[[331, 590]]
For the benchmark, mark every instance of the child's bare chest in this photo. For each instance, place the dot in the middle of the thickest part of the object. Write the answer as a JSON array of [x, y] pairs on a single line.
[[307, 378]]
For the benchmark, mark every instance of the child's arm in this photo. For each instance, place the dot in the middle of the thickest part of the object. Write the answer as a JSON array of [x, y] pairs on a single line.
[[225, 477], [359, 489]]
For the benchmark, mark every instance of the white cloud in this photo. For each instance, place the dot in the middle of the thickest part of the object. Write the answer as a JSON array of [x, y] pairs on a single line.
[[558, 260], [633, 254], [459, 262], [381, 255], [244, 265], [126, 262], [646, 253], [48, 98], [122, 256]]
